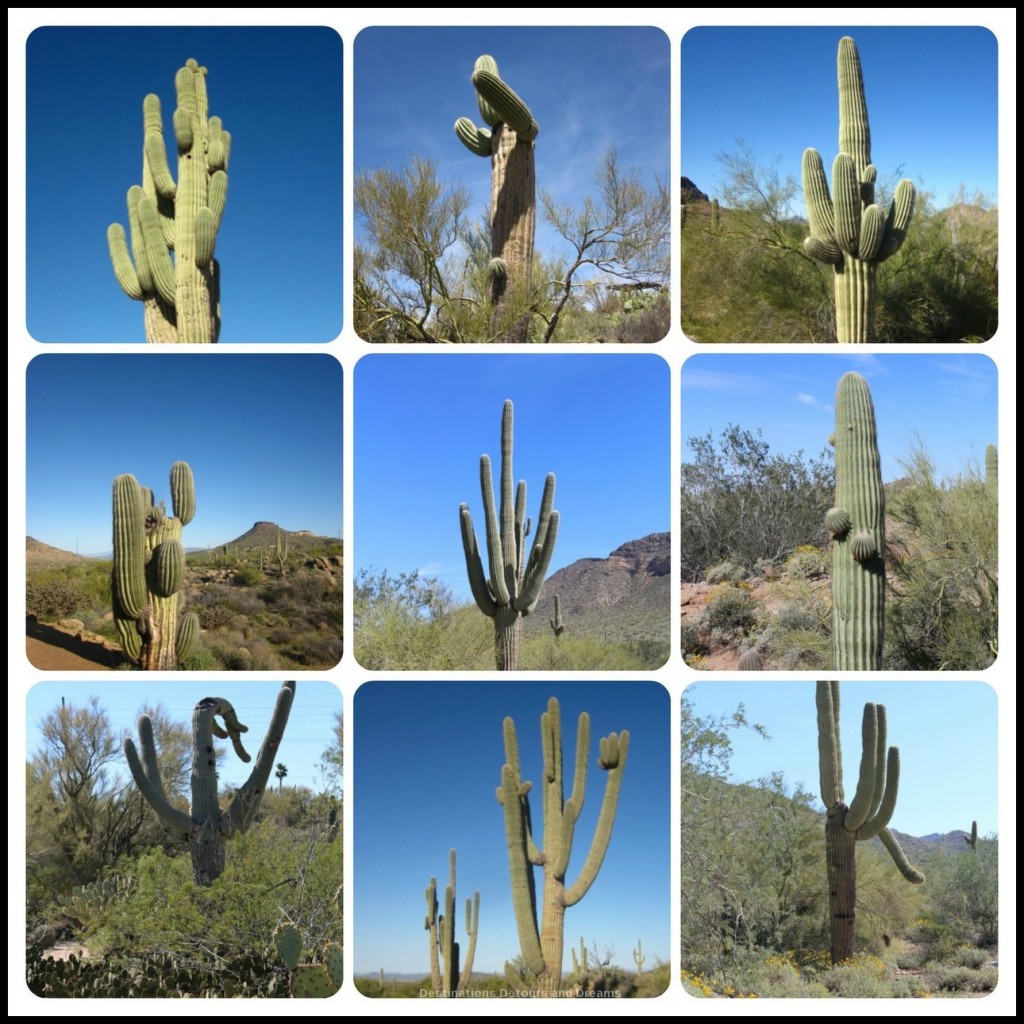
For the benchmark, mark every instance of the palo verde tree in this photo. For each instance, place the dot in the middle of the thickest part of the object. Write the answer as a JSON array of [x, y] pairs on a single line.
[[509, 142], [513, 587], [848, 229], [181, 298], [206, 826], [541, 921], [866, 816], [446, 978]]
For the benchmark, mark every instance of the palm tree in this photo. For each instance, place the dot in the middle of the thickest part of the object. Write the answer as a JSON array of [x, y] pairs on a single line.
[[280, 772]]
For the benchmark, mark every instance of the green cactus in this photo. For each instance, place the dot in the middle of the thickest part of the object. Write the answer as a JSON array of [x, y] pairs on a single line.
[[639, 959], [580, 964], [866, 816], [87, 903], [149, 565], [181, 298], [308, 981], [972, 839], [514, 584], [857, 526], [992, 473], [847, 229], [509, 143], [445, 976], [542, 947], [715, 216], [206, 826], [557, 626], [750, 661]]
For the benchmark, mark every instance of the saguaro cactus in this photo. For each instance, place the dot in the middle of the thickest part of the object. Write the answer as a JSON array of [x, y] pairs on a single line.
[[557, 625], [513, 587], [992, 472], [866, 816], [149, 565], [181, 299], [849, 231], [972, 839], [445, 976], [206, 826], [542, 947], [857, 525], [509, 142]]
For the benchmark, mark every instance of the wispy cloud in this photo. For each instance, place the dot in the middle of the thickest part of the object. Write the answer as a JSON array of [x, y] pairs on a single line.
[[716, 380]]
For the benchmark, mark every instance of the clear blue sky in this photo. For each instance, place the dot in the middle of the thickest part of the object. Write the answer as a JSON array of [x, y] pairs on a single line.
[[309, 732], [949, 401], [600, 423], [945, 731], [428, 761], [278, 92], [931, 96], [261, 433], [588, 89]]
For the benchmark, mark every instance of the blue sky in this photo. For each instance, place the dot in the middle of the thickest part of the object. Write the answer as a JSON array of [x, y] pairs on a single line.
[[278, 92], [308, 734], [931, 96], [949, 401], [428, 760], [599, 423], [945, 731], [588, 88], [261, 433]]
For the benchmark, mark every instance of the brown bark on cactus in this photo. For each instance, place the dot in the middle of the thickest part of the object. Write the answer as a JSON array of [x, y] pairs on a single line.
[[841, 862], [513, 224]]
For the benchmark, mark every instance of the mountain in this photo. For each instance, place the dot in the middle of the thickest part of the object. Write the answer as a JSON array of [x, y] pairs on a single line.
[[265, 535], [39, 555], [624, 597]]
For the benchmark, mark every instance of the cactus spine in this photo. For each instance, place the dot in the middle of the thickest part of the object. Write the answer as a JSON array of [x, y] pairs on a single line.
[[866, 816], [445, 976], [513, 587], [557, 626], [181, 298], [542, 947], [510, 144], [206, 826], [847, 229], [149, 565], [857, 525]]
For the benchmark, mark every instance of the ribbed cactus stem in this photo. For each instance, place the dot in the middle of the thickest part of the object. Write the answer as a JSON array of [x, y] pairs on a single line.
[[180, 296], [557, 625], [857, 526], [847, 229], [206, 826], [866, 816], [148, 572], [446, 977], [541, 929], [513, 216], [972, 839], [511, 586]]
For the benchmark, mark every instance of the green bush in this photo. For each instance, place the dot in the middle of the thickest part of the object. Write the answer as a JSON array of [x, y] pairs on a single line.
[[248, 576], [731, 613]]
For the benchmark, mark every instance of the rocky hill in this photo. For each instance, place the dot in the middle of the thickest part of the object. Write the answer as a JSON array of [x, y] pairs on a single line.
[[39, 555], [265, 535], [624, 597]]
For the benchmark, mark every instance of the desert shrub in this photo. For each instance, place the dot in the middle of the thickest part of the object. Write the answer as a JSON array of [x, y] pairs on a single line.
[[968, 956], [644, 319], [691, 640], [53, 596], [724, 572], [248, 576], [954, 978], [742, 504], [213, 616], [731, 612], [866, 977], [808, 561], [201, 659]]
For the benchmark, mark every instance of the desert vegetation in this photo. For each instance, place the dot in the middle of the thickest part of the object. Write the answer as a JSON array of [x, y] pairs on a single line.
[[768, 558], [271, 599], [756, 917], [129, 895]]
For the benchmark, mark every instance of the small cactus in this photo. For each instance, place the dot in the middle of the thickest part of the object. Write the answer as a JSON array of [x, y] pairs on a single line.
[[972, 839], [181, 298], [639, 959], [308, 981], [446, 977], [847, 229], [557, 625]]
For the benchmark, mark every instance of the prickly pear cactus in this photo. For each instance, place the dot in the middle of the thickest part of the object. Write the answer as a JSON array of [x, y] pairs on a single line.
[[848, 230], [509, 142], [180, 297], [149, 565]]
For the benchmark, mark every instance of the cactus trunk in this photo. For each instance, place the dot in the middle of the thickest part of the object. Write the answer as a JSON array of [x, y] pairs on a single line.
[[513, 218], [206, 826], [847, 229], [857, 525], [543, 947], [512, 587], [866, 817]]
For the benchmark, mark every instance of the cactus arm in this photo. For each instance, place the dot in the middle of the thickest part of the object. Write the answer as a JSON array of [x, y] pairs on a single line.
[[146, 774], [871, 771], [242, 811], [472, 929], [474, 564], [494, 535], [909, 872], [613, 760], [830, 760]]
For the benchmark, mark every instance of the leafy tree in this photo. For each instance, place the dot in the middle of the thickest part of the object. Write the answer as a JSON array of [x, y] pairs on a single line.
[[742, 504]]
